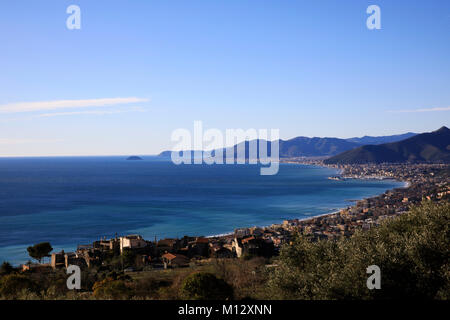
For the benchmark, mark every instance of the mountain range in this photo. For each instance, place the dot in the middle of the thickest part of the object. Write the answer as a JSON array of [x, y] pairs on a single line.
[[409, 147], [382, 139], [323, 147], [426, 147]]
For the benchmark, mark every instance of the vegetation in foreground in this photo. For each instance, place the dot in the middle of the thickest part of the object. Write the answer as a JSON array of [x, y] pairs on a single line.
[[412, 251]]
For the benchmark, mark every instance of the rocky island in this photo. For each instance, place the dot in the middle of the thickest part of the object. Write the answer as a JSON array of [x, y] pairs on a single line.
[[134, 158]]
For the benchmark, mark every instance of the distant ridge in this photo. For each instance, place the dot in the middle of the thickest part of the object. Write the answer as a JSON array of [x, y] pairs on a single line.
[[314, 147], [426, 147], [323, 147], [383, 139]]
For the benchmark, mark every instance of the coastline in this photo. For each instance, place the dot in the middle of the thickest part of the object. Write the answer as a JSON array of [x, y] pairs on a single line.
[[304, 219], [406, 184], [340, 172]]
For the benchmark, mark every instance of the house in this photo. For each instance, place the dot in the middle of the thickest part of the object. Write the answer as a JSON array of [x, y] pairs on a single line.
[[57, 260], [169, 245], [132, 242], [105, 245], [218, 251], [241, 232], [65, 259], [71, 258], [256, 231], [198, 247], [252, 246], [175, 260], [84, 247]]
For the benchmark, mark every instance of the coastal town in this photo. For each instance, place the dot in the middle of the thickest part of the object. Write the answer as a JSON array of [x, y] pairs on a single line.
[[131, 253]]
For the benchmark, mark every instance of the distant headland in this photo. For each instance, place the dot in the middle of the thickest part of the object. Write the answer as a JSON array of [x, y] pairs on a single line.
[[134, 158]]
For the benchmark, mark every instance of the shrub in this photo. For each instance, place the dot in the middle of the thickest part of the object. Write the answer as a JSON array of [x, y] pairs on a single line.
[[412, 251], [111, 289], [205, 286], [149, 287], [247, 277], [6, 268], [12, 285]]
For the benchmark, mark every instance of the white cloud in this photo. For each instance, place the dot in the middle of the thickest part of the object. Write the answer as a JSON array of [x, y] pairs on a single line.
[[25, 141], [421, 110], [94, 112], [65, 104]]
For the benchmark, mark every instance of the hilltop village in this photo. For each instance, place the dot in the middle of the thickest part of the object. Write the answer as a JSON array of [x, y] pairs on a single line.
[[133, 253]]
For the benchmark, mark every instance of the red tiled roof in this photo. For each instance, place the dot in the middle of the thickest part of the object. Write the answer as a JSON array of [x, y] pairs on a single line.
[[166, 242], [202, 240], [248, 239], [169, 256]]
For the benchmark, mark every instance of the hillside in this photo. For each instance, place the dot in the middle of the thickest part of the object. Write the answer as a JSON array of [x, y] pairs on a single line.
[[382, 139], [426, 147], [323, 147]]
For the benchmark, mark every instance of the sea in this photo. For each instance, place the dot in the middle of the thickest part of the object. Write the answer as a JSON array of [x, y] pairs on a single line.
[[69, 201]]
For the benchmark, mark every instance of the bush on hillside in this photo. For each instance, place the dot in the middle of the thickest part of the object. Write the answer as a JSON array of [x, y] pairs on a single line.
[[412, 251], [205, 286]]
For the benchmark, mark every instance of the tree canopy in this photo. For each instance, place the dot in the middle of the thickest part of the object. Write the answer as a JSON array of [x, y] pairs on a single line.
[[40, 250]]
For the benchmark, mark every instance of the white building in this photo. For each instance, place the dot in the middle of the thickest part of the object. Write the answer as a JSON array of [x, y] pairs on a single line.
[[132, 241]]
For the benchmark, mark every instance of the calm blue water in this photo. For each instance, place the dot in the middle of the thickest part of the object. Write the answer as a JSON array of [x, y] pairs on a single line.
[[70, 201]]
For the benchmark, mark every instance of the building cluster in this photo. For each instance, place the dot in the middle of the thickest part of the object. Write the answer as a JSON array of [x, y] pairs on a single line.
[[166, 253], [425, 182], [96, 253]]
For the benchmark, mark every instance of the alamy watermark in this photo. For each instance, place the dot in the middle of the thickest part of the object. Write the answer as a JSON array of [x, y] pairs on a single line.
[[374, 280], [213, 147], [73, 22], [74, 280], [374, 20]]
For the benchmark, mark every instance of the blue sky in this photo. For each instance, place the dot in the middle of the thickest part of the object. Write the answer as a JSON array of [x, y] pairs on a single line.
[[309, 68]]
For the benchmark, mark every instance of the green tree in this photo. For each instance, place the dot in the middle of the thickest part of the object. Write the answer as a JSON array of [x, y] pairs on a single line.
[[40, 250], [6, 268], [205, 286]]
